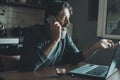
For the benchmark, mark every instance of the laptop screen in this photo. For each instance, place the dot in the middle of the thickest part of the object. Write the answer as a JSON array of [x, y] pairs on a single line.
[[115, 61], [108, 70]]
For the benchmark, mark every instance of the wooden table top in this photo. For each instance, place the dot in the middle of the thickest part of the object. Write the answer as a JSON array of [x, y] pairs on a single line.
[[48, 73]]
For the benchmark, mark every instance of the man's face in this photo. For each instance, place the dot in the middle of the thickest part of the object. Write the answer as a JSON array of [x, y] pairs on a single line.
[[63, 17]]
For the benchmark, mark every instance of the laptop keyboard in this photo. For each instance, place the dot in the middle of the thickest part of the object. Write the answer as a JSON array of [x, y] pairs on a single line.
[[97, 71]]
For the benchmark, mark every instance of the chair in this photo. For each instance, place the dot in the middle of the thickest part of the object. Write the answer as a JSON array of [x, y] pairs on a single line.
[[9, 62]]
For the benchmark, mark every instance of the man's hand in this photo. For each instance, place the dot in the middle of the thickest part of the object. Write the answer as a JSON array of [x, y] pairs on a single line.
[[105, 44], [55, 31], [102, 44], [55, 35]]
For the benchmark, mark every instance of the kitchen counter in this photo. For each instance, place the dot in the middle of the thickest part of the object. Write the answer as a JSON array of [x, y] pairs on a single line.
[[9, 40], [10, 46]]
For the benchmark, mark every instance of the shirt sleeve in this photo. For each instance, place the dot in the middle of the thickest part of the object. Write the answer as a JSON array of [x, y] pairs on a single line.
[[73, 54], [33, 56]]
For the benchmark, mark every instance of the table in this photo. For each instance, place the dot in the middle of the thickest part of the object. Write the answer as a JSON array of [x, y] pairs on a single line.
[[49, 73]]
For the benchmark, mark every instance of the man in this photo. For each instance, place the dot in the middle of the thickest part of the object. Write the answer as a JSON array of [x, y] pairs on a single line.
[[50, 44]]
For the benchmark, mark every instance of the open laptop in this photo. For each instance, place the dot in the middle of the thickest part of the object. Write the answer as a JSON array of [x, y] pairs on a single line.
[[99, 71]]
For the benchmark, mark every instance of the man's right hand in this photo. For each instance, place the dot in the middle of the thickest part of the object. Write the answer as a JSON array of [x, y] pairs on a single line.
[[55, 35], [55, 31]]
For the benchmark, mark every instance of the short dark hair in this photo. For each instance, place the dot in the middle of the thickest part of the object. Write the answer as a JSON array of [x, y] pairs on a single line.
[[56, 7]]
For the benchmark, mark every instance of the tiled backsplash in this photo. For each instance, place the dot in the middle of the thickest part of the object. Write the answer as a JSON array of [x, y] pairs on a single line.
[[21, 16]]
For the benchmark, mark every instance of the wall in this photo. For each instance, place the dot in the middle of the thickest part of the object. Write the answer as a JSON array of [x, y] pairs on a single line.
[[21, 16], [84, 30]]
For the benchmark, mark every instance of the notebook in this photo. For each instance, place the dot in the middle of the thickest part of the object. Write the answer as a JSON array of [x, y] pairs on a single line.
[[99, 71]]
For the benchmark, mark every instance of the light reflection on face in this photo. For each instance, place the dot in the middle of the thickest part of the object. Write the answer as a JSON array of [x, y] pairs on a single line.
[[63, 17]]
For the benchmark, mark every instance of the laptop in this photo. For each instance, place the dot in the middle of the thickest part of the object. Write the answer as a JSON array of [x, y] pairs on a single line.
[[99, 71]]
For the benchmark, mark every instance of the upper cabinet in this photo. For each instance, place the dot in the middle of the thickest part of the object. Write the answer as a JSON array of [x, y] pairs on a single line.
[[29, 3], [24, 3]]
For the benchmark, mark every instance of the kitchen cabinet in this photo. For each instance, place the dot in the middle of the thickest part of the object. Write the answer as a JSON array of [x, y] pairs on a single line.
[[23, 3], [10, 46], [29, 3]]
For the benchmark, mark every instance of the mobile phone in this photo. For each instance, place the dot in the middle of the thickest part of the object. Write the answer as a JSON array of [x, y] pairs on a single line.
[[51, 19]]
